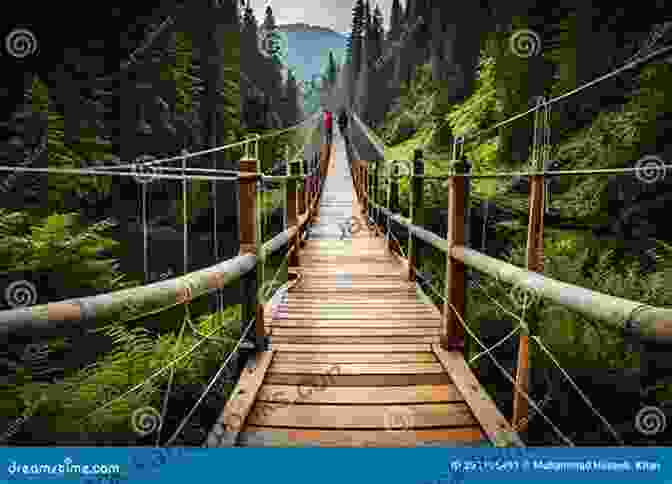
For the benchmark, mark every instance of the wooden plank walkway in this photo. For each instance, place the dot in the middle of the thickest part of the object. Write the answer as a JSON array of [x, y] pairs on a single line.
[[354, 358]]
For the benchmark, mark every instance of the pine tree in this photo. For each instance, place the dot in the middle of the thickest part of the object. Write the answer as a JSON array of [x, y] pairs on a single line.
[[273, 45], [395, 21], [378, 33], [292, 94], [358, 19], [249, 29], [409, 13], [367, 17], [331, 70]]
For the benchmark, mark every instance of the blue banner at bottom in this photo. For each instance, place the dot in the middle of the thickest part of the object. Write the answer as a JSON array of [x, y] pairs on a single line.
[[325, 466]]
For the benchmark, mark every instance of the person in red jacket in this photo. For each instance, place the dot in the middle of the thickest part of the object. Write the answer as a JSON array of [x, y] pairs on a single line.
[[328, 126]]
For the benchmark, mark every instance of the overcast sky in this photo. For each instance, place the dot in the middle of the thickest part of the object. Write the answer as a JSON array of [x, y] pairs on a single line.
[[335, 14]]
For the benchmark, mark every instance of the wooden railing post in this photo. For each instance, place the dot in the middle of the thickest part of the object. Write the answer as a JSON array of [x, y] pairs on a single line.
[[365, 187], [393, 203], [307, 192], [315, 181], [535, 262], [249, 241], [375, 197], [291, 212], [416, 212], [370, 197], [356, 174], [453, 338], [301, 187], [358, 180], [324, 160]]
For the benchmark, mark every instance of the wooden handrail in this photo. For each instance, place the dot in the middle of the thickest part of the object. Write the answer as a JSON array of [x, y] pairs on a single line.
[[650, 324], [79, 314]]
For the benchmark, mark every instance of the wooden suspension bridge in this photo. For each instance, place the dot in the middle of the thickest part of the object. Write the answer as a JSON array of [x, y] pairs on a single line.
[[353, 353], [354, 356]]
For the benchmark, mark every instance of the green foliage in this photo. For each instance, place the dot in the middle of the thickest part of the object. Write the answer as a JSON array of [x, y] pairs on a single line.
[[60, 244], [480, 109], [94, 399], [417, 104], [61, 155], [179, 70], [616, 139]]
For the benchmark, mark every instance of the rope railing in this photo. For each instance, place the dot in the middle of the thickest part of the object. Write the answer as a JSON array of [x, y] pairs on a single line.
[[300, 202], [129, 304], [645, 322]]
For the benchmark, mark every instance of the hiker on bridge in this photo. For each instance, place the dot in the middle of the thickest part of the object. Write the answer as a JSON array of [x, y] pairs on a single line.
[[328, 126], [343, 121]]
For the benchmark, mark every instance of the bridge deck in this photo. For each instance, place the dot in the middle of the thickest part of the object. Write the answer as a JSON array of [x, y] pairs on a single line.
[[354, 358]]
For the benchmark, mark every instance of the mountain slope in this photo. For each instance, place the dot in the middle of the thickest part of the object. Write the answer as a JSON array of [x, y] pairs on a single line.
[[308, 48]]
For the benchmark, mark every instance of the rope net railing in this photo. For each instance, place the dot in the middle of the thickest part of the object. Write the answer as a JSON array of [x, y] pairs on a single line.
[[377, 182], [207, 324]]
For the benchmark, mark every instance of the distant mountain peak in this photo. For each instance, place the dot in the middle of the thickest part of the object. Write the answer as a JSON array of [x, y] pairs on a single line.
[[303, 27]]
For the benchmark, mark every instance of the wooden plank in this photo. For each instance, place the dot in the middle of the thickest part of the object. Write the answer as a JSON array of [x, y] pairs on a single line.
[[354, 332], [352, 348], [357, 380], [237, 408], [285, 357], [293, 297], [362, 416], [337, 291], [360, 395], [353, 323], [490, 418], [255, 436], [356, 368], [337, 284], [376, 340], [372, 303], [360, 271], [326, 316], [391, 307], [363, 307]]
